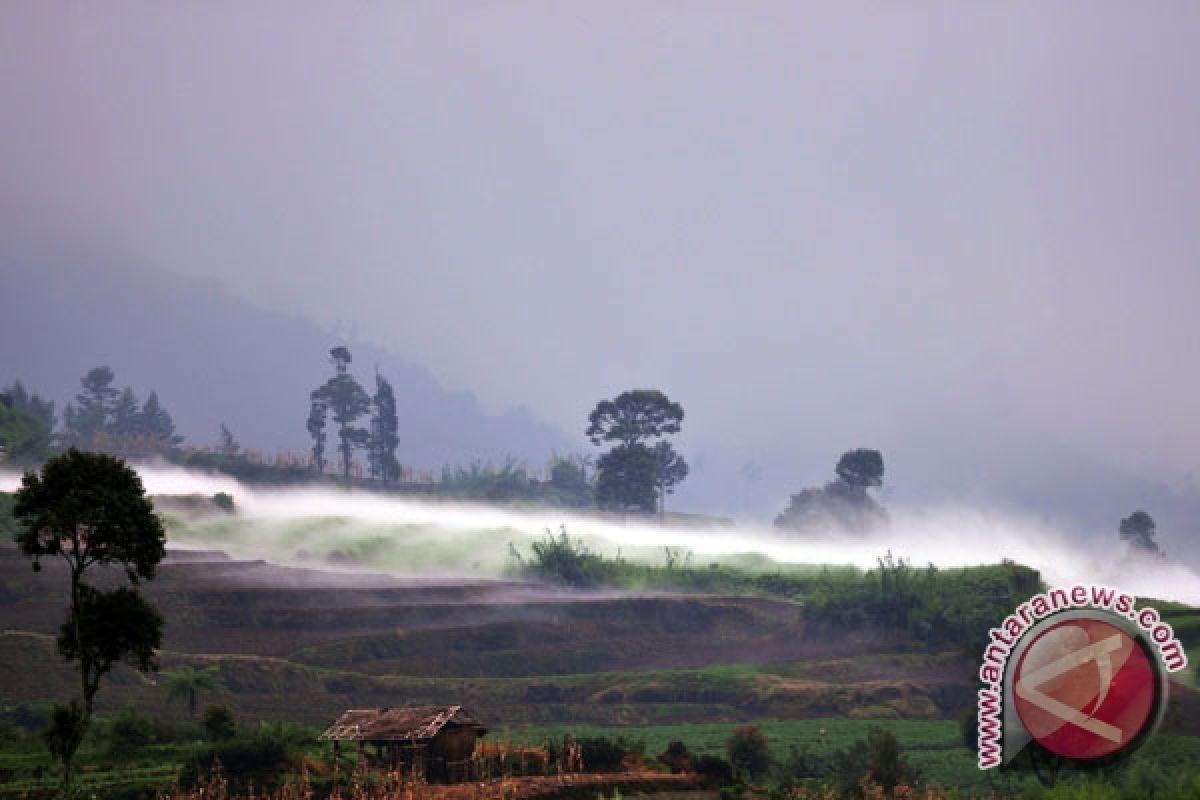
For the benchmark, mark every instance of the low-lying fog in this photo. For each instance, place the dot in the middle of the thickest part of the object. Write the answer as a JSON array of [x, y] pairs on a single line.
[[411, 538]]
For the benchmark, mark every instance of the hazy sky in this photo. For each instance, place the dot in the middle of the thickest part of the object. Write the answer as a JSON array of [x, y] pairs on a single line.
[[813, 224]]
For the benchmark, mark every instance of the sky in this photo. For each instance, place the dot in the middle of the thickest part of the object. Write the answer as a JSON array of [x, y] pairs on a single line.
[[919, 226]]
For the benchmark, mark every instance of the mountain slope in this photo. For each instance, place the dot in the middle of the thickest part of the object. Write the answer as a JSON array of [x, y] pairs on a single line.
[[214, 358]]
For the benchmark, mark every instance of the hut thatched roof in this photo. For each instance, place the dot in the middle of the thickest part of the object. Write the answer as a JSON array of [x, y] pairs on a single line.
[[400, 724]]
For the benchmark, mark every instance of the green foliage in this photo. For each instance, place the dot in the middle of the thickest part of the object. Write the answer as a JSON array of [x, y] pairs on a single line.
[[186, 683], [24, 435], [569, 479], [929, 606], [381, 448], [8, 523], [247, 761], [129, 733], [602, 754], [64, 734], [714, 769], [676, 757], [219, 724], [89, 509], [749, 752], [223, 501], [860, 468], [485, 481], [627, 479], [877, 759], [563, 560]]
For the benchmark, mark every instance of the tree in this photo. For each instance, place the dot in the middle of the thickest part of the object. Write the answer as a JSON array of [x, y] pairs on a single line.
[[629, 476], [126, 416], [317, 412], [24, 437], [21, 399], [347, 400], [634, 416], [1138, 529], [156, 423], [670, 470], [219, 724], [187, 682], [627, 479], [676, 758], [876, 761], [748, 751], [93, 408], [381, 452], [570, 478], [861, 468], [229, 445], [91, 510]]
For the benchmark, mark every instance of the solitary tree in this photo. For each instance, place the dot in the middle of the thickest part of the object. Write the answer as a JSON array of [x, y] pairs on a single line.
[[632, 473], [861, 468], [91, 510], [1138, 529]]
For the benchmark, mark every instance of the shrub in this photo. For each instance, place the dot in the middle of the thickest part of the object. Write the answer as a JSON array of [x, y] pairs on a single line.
[[128, 733], [749, 752], [715, 770], [219, 724], [245, 761]]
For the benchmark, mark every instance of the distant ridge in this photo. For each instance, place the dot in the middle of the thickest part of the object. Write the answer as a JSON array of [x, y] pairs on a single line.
[[214, 358]]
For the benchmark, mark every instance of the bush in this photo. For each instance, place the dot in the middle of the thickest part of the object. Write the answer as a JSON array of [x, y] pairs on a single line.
[[715, 770], [219, 724], [676, 758], [128, 733], [567, 561], [245, 761], [749, 752], [223, 501], [877, 759], [601, 754]]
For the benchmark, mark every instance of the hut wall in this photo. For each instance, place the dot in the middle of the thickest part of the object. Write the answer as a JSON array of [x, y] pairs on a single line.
[[450, 754]]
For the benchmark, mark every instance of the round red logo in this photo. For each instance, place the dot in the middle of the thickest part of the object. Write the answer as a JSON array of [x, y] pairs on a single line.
[[1084, 688]]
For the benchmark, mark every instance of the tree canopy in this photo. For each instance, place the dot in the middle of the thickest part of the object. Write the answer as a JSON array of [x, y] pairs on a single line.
[[634, 416], [1139, 530]]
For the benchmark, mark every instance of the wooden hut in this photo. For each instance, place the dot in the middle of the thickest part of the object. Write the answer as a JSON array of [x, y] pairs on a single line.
[[434, 743]]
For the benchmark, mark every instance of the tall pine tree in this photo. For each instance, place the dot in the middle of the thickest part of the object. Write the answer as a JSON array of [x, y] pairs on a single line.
[[381, 452]]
